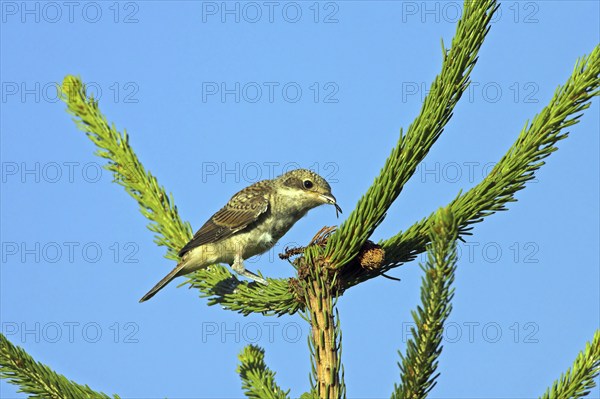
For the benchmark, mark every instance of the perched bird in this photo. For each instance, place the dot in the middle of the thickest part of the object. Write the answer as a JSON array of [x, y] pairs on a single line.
[[251, 223]]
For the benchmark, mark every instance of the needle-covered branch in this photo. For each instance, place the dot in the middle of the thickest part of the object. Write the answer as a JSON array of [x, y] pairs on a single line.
[[38, 380], [423, 349], [258, 381], [319, 286], [221, 287], [445, 92], [128, 171], [579, 379], [536, 141], [335, 266], [217, 282]]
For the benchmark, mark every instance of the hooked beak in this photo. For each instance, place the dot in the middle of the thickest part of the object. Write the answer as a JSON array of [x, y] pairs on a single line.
[[330, 199]]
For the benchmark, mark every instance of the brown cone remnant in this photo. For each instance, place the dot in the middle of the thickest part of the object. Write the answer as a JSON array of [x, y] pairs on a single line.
[[371, 256]]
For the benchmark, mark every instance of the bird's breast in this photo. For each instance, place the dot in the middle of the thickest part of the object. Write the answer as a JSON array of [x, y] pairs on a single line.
[[265, 235], [273, 228], [264, 238]]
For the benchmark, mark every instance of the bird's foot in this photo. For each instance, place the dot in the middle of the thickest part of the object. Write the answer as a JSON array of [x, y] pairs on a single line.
[[239, 268]]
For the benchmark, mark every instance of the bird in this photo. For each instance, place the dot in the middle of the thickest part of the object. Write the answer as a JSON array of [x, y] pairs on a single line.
[[251, 223]]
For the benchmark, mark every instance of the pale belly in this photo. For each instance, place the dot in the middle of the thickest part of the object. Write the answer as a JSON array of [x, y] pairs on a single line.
[[257, 240], [264, 236]]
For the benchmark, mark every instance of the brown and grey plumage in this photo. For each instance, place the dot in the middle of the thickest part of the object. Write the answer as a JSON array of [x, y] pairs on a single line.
[[251, 223]]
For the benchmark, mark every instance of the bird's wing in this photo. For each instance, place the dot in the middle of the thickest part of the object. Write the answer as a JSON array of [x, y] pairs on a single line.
[[243, 208]]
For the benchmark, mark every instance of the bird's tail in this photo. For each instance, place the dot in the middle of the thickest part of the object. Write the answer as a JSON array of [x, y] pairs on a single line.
[[162, 283]]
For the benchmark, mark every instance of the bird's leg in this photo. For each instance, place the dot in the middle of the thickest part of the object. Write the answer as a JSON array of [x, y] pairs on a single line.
[[238, 267]]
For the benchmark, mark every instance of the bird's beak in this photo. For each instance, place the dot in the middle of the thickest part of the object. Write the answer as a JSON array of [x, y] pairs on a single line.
[[330, 199]]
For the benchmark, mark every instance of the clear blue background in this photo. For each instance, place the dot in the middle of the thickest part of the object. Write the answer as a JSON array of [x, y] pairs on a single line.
[[527, 286]]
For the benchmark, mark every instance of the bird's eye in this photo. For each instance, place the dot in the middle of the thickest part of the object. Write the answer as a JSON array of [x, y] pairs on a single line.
[[308, 184]]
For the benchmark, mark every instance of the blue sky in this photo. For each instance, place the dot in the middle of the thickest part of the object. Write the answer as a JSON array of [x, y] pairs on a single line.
[[216, 96]]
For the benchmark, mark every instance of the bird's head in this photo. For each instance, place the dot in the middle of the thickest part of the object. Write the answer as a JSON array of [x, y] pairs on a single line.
[[306, 189]]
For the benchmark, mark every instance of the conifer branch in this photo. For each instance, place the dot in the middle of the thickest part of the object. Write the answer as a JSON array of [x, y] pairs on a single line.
[[221, 287], [327, 380], [258, 381], [328, 272], [579, 379], [536, 141], [127, 169], [423, 349], [217, 282], [446, 90], [38, 380], [309, 395]]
